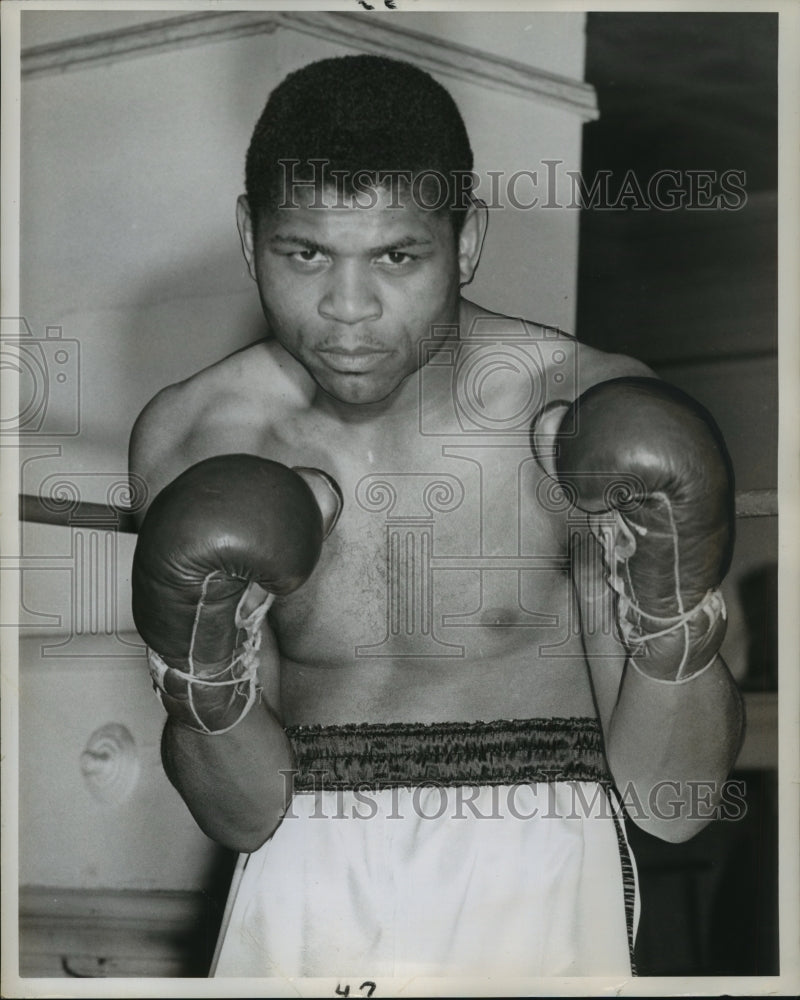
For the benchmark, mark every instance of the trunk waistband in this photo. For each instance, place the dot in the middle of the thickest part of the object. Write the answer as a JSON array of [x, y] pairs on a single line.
[[503, 752]]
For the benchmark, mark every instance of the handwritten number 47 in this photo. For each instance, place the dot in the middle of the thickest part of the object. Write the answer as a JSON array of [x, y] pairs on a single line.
[[367, 985]]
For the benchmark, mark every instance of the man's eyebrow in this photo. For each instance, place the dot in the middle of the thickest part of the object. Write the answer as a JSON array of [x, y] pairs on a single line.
[[402, 243], [293, 239], [303, 241]]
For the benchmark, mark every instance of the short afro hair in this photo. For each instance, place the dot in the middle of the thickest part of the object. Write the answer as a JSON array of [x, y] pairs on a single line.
[[359, 115]]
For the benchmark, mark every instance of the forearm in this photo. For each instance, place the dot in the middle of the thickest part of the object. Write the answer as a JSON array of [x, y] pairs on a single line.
[[671, 746], [238, 784]]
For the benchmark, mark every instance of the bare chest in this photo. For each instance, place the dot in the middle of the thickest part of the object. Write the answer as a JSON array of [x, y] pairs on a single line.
[[443, 552]]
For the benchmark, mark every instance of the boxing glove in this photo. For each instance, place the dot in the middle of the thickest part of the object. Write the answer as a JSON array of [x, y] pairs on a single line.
[[221, 525], [650, 467]]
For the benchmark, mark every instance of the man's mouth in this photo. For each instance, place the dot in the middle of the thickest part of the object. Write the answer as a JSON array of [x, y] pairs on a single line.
[[352, 360]]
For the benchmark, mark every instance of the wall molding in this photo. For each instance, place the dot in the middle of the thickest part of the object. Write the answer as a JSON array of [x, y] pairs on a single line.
[[100, 933], [381, 35]]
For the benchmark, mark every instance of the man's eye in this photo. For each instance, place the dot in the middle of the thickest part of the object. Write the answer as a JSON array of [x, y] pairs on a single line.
[[308, 256], [397, 257]]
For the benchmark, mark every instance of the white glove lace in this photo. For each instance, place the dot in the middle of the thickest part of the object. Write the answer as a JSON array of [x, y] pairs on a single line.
[[630, 613], [241, 672]]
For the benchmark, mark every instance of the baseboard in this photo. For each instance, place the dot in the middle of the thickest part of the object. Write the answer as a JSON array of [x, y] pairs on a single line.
[[90, 933]]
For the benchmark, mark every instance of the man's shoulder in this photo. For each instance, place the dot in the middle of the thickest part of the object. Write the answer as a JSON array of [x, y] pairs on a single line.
[[594, 366], [537, 358], [261, 375], [588, 366], [575, 366], [525, 373], [228, 406]]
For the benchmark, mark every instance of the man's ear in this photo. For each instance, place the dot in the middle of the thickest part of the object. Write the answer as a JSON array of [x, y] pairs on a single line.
[[470, 241], [244, 221]]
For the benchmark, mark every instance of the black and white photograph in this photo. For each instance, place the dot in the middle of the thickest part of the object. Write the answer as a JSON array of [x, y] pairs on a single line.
[[400, 499]]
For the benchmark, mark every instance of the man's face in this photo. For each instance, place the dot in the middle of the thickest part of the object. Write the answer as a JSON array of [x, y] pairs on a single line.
[[350, 291]]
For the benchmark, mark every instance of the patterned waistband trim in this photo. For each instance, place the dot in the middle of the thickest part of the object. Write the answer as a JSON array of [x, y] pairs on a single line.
[[387, 755]]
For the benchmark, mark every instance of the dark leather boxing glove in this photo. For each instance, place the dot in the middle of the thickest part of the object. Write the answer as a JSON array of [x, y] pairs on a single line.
[[650, 466], [223, 524]]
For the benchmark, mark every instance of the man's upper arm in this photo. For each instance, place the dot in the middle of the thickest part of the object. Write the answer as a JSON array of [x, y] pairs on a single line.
[[156, 444]]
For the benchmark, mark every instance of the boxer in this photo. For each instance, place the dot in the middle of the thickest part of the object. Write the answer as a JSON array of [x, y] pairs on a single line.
[[352, 704]]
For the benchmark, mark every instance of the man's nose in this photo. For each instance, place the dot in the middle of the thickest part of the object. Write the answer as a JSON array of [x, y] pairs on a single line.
[[351, 296]]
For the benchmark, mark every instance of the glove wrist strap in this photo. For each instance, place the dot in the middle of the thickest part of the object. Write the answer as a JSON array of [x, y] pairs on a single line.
[[682, 679], [712, 605]]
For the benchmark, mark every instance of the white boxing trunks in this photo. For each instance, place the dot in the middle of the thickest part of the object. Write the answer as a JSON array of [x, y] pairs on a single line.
[[453, 849]]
